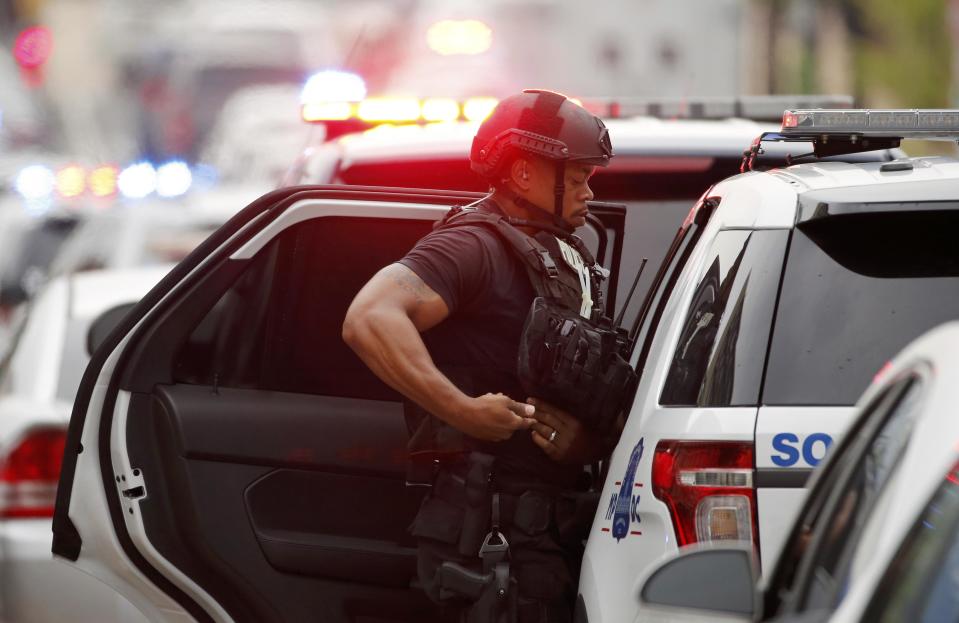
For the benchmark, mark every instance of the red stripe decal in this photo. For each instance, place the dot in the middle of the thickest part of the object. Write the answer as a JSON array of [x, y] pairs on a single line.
[[619, 482], [605, 529], [636, 532], [639, 484]]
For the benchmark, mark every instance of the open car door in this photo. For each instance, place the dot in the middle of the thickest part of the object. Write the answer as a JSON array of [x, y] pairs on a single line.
[[229, 458]]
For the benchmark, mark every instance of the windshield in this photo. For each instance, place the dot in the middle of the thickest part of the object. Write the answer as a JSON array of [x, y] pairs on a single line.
[[856, 290]]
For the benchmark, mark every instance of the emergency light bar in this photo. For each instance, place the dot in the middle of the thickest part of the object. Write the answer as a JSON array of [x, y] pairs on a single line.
[[915, 123], [757, 107], [374, 110], [842, 132]]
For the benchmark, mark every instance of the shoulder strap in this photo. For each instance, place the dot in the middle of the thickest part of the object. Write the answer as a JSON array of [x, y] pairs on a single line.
[[539, 263]]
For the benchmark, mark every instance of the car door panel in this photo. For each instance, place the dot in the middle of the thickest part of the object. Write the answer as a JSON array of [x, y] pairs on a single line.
[[338, 533], [271, 476]]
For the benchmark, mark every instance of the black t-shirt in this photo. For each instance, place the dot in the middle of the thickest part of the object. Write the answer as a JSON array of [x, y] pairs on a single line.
[[489, 295]]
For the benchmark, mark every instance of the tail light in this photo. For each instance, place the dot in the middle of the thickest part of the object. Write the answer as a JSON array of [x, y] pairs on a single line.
[[29, 474], [708, 487]]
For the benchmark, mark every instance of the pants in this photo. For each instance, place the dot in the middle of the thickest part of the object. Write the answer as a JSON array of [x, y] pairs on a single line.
[[544, 565]]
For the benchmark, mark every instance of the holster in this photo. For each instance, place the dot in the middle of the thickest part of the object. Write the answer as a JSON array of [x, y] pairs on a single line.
[[494, 594], [476, 520]]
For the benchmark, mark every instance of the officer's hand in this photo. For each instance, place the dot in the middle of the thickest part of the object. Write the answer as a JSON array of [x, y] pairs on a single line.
[[572, 442], [495, 417]]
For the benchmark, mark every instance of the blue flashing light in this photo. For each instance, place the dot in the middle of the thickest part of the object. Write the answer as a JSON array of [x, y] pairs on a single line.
[[205, 176], [36, 182], [137, 180], [333, 85], [173, 179]]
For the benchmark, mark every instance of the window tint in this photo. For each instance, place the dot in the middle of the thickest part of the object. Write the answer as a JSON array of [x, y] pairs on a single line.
[[279, 326], [718, 360], [856, 290], [650, 228], [854, 499], [922, 583]]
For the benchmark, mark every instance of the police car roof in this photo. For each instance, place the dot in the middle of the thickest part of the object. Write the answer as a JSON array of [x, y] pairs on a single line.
[[636, 136], [771, 199]]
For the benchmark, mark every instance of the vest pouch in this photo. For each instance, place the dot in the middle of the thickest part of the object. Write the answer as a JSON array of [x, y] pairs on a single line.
[[573, 363]]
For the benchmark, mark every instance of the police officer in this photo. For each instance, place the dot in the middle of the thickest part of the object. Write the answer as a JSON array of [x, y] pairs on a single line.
[[500, 532]]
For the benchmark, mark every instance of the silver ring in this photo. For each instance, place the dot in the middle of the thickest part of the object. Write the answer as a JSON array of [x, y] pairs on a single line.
[[552, 436]]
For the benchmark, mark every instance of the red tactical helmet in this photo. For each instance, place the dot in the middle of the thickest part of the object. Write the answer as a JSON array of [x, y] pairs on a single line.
[[543, 123]]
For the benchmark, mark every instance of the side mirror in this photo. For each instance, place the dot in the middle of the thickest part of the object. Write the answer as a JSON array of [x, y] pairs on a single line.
[[104, 325], [707, 579]]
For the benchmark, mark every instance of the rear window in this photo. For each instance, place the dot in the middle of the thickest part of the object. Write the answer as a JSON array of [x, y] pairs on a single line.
[[856, 290]]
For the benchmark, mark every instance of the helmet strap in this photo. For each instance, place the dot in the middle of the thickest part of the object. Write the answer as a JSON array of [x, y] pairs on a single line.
[[559, 189], [552, 218]]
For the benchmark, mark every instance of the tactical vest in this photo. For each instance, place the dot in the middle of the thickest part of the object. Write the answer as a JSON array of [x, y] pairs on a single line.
[[570, 354]]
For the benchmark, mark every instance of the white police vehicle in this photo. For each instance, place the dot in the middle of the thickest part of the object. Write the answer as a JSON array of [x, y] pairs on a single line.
[[229, 458], [877, 539], [785, 293]]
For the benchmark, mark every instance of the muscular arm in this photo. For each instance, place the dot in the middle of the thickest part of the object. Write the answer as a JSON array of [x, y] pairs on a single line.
[[383, 326]]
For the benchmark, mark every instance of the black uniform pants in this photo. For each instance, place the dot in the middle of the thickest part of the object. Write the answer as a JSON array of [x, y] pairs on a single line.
[[544, 565]]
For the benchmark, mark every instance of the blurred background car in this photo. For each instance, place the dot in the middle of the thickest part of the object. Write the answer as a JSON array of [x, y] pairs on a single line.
[[877, 538], [39, 377], [257, 134], [150, 233]]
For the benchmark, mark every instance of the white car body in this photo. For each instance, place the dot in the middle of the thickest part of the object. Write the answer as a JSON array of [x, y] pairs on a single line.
[[752, 202], [884, 575], [36, 391]]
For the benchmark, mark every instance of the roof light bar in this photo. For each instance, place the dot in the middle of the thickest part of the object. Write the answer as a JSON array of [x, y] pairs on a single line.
[[376, 110], [388, 109], [912, 123], [757, 107]]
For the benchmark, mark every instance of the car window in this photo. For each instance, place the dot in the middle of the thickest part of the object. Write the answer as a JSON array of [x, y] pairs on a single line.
[[853, 499], [646, 320], [719, 358], [37, 249], [922, 582], [856, 290], [279, 326]]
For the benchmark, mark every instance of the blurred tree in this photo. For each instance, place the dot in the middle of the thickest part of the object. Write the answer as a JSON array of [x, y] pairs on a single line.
[[886, 52], [904, 54]]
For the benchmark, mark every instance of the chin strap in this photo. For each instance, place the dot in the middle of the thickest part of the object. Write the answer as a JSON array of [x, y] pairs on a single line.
[[552, 221]]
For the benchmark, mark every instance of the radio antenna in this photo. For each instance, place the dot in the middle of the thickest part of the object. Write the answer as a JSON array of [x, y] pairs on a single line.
[[629, 297]]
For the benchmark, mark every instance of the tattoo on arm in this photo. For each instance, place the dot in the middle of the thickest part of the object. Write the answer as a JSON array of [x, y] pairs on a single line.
[[409, 281]]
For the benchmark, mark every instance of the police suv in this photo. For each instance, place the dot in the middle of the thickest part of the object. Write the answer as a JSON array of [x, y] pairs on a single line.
[[228, 457], [783, 295]]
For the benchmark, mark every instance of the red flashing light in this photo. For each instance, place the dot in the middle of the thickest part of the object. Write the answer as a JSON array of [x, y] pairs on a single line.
[[708, 488], [30, 472], [32, 47], [790, 120]]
